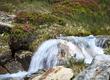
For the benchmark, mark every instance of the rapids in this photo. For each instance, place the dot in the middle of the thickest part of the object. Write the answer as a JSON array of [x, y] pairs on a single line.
[[49, 54]]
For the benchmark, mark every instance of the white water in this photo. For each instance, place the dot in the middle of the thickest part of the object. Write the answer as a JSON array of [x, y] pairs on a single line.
[[80, 48]]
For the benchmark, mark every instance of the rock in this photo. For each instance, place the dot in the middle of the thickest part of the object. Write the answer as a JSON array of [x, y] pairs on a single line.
[[3, 70], [56, 73], [5, 52], [5, 17], [97, 71], [24, 57], [6, 22], [4, 28], [13, 66]]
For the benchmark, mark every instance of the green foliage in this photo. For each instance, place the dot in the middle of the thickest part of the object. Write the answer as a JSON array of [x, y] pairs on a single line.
[[87, 12], [76, 66], [21, 31], [107, 51], [4, 38], [38, 18], [21, 36], [9, 7], [50, 17]]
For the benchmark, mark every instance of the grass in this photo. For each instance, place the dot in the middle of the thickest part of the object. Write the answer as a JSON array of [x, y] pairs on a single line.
[[51, 18], [72, 17], [14, 6], [77, 67]]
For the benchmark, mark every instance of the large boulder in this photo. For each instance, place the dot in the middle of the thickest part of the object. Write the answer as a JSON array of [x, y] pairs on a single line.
[[13, 66], [98, 70], [24, 57], [56, 73]]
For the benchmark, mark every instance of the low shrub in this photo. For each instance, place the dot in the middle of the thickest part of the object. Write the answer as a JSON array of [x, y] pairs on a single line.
[[21, 37]]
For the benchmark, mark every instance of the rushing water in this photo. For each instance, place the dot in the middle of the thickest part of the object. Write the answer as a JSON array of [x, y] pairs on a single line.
[[49, 53]]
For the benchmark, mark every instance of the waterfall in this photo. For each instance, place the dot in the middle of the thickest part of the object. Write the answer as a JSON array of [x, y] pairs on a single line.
[[49, 53], [45, 57], [103, 41]]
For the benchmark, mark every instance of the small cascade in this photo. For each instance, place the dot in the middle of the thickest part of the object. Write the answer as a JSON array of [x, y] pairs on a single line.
[[49, 53], [45, 57], [103, 41]]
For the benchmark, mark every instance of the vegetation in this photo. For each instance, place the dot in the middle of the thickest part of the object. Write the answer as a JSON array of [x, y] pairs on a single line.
[[21, 36], [76, 66], [50, 18]]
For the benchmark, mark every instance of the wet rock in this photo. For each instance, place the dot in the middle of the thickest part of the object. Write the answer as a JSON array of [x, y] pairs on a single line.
[[24, 57], [99, 70], [13, 66], [5, 52], [56, 73], [3, 70]]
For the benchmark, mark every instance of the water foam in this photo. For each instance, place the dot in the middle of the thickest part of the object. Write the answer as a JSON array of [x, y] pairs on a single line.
[[81, 48]]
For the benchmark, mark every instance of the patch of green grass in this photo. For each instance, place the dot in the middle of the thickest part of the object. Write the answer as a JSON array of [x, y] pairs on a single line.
[[76, 66], [38, 18], [14, 6], [107, 51], [51, 18], [34, 6]]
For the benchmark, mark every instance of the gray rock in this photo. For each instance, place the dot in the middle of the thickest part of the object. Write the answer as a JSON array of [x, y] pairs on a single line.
[[99, 70], [6, 22], [3, 70], [24, 57], [13, 66]]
